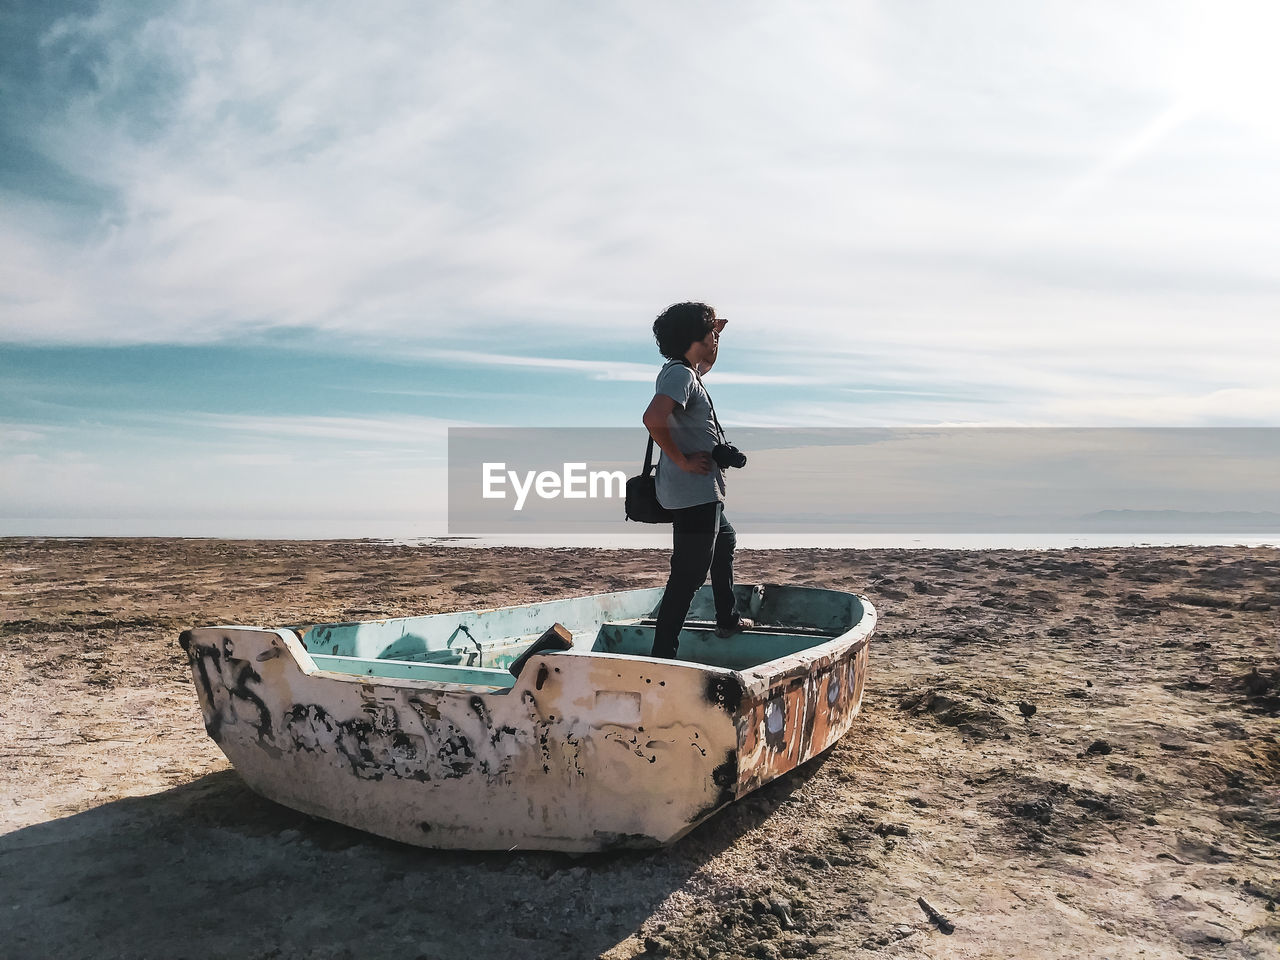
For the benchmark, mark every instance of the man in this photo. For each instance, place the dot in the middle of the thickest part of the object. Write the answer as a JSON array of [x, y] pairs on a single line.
[[689, 482]]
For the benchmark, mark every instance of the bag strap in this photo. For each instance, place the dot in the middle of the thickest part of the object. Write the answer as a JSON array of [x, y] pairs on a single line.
[[648, 453]]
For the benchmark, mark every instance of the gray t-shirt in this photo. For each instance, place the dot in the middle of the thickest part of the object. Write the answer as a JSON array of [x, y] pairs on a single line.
[[693, 429]]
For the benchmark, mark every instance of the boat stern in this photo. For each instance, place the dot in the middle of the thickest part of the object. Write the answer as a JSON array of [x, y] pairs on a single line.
[[796, 707]]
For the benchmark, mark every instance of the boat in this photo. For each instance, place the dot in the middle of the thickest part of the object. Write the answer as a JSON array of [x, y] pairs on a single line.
[[471, 730]]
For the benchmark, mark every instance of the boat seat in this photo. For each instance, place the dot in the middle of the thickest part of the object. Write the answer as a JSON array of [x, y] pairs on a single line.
[[413, 670]]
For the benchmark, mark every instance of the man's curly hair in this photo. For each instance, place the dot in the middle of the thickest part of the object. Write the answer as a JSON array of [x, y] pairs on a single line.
[[680, 326]]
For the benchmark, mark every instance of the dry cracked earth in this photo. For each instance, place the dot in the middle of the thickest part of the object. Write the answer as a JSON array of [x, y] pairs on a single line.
[[1061, 753]]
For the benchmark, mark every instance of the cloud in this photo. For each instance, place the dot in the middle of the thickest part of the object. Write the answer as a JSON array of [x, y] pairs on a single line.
[[292, 166], [603, 369], [13, 435], [914, 214], [365, 430], [289, 470]]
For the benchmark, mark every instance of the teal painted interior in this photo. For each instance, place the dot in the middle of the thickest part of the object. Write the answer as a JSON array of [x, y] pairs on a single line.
[[477, 646], [701, 645], [476, 635]]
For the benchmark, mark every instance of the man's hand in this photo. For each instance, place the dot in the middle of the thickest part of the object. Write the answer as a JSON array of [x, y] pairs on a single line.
[[655, 421], [712, 344], [699, 463]]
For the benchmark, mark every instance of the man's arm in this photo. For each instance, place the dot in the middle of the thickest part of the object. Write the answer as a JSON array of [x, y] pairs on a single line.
[[655, 421]]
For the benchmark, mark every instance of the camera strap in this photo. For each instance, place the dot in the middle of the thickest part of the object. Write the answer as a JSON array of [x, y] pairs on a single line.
[[714, 418]]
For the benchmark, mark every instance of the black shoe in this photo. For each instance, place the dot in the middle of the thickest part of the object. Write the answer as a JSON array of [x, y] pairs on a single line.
[[728, 630]]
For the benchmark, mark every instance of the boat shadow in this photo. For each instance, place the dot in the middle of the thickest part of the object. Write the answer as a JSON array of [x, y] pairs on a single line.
[[209, 869]]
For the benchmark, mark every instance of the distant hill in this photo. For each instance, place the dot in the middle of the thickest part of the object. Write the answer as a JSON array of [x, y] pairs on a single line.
[[1102, 521], [1182, 521]]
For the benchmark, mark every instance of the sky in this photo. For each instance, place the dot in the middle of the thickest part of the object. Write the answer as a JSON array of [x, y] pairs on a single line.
[[256, 259]]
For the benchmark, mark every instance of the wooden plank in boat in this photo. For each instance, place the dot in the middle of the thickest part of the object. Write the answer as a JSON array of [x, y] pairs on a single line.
[[556, 639]]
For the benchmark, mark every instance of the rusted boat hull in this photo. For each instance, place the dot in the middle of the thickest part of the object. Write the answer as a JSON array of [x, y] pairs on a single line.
[[586, 750]]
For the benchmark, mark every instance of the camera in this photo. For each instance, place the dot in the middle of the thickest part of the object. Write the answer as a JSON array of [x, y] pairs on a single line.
[[726, 455]]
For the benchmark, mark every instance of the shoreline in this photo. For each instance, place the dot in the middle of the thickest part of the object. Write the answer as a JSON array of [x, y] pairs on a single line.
[[746, 541]]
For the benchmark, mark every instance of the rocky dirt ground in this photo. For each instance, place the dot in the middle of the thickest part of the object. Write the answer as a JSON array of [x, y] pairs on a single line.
[[1064, 753]]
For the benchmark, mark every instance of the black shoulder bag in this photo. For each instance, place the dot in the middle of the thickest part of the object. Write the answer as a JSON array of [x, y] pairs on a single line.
[[642, 494], [642, 503]]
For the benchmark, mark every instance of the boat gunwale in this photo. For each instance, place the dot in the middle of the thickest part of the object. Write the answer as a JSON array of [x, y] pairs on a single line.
[[753, 680], [302, 629], [765, 675]]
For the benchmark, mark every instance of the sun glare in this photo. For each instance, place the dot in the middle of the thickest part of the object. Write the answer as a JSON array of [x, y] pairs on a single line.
[[1228, 65]]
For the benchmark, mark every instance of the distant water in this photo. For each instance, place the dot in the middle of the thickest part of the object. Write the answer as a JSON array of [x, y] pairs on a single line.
[[398, 532], [874, 541]]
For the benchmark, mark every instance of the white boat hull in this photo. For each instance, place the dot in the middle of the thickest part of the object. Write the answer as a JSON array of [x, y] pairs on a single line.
[[587, 751]]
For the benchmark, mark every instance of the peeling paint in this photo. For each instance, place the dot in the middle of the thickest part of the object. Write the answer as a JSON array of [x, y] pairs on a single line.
[[586, 751]]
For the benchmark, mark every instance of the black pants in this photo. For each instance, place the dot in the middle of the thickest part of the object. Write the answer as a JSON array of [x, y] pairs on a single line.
[[702, 539]]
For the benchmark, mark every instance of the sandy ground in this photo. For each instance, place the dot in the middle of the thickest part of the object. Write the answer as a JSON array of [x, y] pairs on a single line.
[[1065, 753]]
